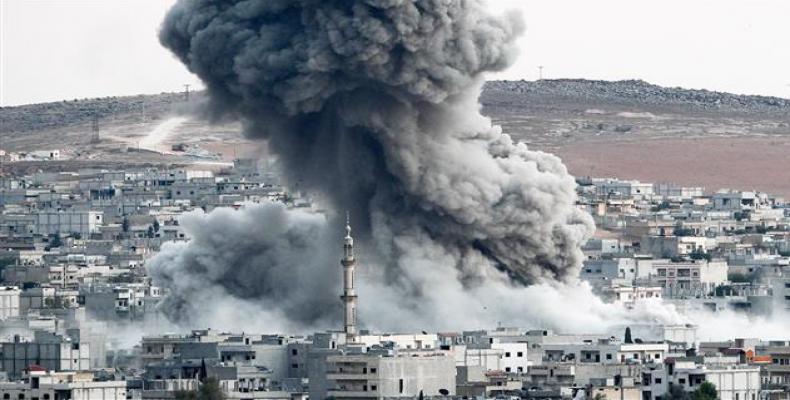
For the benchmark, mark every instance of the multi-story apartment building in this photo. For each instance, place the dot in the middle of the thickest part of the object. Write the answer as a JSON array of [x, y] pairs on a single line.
[[49, 385], [49, 351], [383, 374], [68, 221], [685, 278]]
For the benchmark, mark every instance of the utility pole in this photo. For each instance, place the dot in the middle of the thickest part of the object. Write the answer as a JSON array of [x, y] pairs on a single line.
[[186, 92], [540, 72], [95, 129]]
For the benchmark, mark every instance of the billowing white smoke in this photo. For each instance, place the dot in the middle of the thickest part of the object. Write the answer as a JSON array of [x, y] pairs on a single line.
[[269, 269]]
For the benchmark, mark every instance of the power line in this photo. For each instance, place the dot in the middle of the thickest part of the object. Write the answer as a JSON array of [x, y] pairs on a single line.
[[95, 138]]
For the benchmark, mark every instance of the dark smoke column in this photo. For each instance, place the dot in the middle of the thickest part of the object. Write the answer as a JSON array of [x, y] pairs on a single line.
[[374, 103]]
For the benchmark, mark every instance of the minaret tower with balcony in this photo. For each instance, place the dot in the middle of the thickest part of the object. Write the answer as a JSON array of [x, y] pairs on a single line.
[[349, 296]]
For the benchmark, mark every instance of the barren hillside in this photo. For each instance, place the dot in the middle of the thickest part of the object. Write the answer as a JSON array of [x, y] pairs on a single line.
[[628, 129]]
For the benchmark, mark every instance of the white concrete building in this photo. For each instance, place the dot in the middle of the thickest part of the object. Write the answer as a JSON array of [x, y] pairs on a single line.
[[609, 187], [686, 278], [629, 295], [487, 358], [732, 381], [48, 385], [378, 375], [728, 200], [670, 191], [401, 341], [44, 155], [9, 302]]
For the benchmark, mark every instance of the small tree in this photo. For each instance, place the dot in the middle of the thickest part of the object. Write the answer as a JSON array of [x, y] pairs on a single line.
[[55, 240], [699, 254], [628, 339], [150, 232], [705, 391], [156, 225], [676, 392], [125, 224]]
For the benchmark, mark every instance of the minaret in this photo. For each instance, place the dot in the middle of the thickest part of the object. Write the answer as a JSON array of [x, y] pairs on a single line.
[[349, 296]]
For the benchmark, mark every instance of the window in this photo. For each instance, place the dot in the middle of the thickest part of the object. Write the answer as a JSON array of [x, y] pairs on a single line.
[[294, 352], [295, 366], [636, 356], [373, 388], [657, 381], [682, 381], [507, 369], [400, 385], [364, 388], [6, 396], [364, 370], [657, 356], [507, 354], [608, 356], [372, 370]]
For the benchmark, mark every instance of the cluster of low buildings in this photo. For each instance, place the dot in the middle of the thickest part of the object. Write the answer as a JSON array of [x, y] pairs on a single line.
[[73, 248], [37, 155], [725, 250], [500, 363]]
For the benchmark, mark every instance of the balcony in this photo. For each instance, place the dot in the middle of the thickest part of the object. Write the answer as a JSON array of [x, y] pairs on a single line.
[[371, 394], [349, 376], [773, 368]]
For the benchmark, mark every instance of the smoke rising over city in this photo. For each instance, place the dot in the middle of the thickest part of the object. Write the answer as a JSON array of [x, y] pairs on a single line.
[[374, 104]]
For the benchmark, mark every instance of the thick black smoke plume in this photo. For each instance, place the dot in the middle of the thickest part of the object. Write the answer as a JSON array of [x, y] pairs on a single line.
[[373, 103]]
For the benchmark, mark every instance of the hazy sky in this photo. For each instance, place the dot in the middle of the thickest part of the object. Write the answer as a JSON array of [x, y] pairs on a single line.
[[65, 49]]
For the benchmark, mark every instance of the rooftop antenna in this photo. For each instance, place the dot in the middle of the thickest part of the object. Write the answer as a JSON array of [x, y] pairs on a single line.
[[143, 109], [186, 92], [95, 128], [540, 72]]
